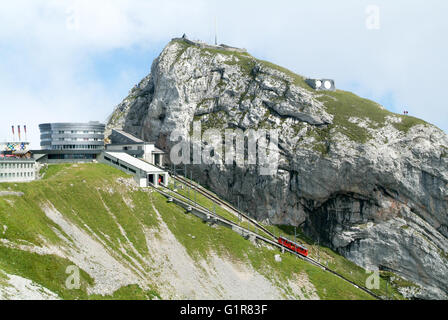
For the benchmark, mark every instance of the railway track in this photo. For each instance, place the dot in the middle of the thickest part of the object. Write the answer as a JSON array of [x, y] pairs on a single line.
[[224, 204], [186, 201]]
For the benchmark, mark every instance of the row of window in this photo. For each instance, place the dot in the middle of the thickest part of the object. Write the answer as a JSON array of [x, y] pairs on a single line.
[[79, 139], [71, 156], [76, 147], [130, 148], [18, 175], [16, 165], [72, 132], [119, 164]]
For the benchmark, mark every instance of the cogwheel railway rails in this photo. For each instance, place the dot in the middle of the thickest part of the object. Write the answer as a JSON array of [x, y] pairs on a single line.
[[212, 197], [188, 203]]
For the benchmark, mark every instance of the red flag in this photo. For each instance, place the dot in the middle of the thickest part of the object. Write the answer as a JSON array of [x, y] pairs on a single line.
[[18, 130]]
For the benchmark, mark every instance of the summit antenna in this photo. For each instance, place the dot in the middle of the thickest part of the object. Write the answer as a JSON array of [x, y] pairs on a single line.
[[216, 32]]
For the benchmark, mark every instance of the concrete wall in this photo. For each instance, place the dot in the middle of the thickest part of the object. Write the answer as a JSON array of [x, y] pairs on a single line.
[[133, 149], [140, 176], [159, 161], [62, 161], [148, 156]]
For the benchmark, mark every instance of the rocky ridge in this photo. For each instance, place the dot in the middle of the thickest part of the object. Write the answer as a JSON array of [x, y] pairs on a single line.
[[371, 184]]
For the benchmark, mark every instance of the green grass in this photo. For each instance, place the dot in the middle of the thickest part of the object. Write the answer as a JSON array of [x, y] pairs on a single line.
[[89, 194], [214, 120], [50, 272], [444, 153], [201, 200], [49, 171], [46, 270], [130, 292], [208, 204], [297, 79], [184, 46], [341, 104], [227, 243], [3, 279], [337, 262], [86, 194], [344, 105]]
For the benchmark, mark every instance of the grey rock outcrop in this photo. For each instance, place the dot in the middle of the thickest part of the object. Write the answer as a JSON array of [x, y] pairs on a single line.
[[381, 201]]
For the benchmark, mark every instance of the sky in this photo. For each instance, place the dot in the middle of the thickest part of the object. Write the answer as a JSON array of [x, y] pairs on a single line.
[[75, 60]]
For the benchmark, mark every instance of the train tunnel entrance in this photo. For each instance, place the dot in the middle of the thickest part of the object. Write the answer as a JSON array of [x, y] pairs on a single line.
[[151, 178]]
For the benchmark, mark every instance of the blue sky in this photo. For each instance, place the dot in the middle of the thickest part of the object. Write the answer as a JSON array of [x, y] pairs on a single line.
[[75, 60]]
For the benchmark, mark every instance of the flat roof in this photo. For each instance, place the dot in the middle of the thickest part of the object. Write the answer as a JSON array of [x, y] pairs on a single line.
[[129, 136], [14, 159], [157, 150], [140, 164], [67, 151]]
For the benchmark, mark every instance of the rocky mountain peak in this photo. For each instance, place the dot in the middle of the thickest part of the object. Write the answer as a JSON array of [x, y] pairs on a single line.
[[370, 184]]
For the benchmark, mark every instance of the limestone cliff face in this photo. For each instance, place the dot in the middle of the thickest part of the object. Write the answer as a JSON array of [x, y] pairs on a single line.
[[370, 184]]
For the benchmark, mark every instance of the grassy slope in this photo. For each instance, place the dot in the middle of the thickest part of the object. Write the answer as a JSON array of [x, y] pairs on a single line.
[[341, 104], [205, 202], [344, 105], [77, 192], [73, 190], [227, 243], [327, 256], [338, 263]]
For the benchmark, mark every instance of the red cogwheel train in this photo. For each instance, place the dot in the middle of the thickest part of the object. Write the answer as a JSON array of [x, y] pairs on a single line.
[[293, 246]]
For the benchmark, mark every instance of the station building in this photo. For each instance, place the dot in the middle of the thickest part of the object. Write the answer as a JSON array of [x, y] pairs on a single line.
[[17, 170], [145, 174], [140, 158], [70, 142], [122, 141], [84, 142], [16, 162]]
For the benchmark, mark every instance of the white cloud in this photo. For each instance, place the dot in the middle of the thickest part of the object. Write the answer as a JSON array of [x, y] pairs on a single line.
[[50, 49]]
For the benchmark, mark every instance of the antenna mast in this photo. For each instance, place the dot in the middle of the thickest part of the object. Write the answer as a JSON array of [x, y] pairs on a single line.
[[216, 32]]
